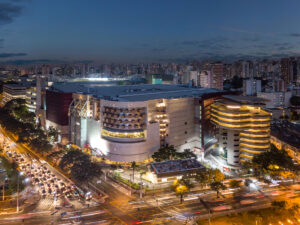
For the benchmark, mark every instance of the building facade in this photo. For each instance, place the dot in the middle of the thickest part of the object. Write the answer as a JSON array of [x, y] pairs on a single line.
[[129, 123], [206, 79], [13, 91], [251, 86], [31, 99], [276, 99], [57, 113], [217, 70], [244, 128]]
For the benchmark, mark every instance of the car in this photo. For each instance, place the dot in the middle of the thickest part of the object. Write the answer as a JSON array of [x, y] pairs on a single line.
[[247, 201]]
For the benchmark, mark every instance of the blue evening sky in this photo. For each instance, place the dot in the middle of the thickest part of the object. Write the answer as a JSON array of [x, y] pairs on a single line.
[[148, 30]]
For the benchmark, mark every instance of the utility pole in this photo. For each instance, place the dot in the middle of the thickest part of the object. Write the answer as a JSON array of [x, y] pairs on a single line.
[[21, 173], [18, 194], [3, 190]]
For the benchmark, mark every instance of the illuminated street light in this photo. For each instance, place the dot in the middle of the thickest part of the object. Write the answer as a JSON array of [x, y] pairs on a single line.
[[19, 174]]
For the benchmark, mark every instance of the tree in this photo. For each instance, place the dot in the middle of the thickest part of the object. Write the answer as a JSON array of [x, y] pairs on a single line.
[[217, 186], [237, 82], [165, 153], [294, 116], [295, 100], [247, 166], [273, 162], [53, 133], [234, 184], [79, 165], [170, 153], [187, 153], [180, 188], [217, 175], [203, 177], [133, 165]]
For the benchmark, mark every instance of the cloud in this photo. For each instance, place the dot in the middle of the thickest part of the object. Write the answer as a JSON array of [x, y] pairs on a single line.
[[9, 55], [8, 12], [294, 34], [83, 61], [158, 49], [283, 48], [251, 39], [21, 0], [190, 42], [216, 43], [237, 30], [31, 61]]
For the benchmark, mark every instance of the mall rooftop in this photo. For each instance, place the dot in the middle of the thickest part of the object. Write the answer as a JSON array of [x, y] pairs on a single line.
[[142, 92]]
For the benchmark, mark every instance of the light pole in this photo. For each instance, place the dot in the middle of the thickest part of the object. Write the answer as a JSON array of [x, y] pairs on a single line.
[[3, 196], [19, 174]]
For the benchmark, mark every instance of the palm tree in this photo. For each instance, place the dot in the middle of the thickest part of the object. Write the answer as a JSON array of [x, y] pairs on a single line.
[[133, 165]]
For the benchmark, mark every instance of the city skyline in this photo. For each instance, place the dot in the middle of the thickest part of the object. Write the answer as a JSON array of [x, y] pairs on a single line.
[[170, 31]]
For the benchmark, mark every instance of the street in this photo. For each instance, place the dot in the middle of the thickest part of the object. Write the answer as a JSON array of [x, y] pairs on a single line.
[[164, 208]]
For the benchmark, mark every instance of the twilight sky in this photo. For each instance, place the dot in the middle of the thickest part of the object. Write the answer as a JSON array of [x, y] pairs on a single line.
[[147, 30]]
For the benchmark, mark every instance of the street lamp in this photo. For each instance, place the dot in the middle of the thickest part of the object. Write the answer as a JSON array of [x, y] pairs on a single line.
[[19, 174]]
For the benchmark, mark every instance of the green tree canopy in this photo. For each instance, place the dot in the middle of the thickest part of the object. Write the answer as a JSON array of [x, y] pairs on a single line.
[[217, 186], [295, 100], [234, 184], [170, 153], [274, 157], [79, 165]]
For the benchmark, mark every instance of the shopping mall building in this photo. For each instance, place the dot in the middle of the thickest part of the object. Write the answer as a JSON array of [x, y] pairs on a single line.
[[129, 123]]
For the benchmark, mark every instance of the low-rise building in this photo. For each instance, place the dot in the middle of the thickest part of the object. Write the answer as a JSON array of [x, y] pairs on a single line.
[[286, 135], [13, 91], [276, 99], [169, 171]]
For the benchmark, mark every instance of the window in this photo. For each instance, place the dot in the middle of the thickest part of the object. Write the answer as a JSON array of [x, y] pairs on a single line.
[[236, 150], [236, 156], [185, 132], [224, 143], [185, 123], [236, 145], [224, 134], [236, 135], [236, 161], [236, 140]]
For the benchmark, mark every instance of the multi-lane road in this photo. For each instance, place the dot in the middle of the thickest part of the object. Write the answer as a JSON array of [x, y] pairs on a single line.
[[163, 208], [168, 210]]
